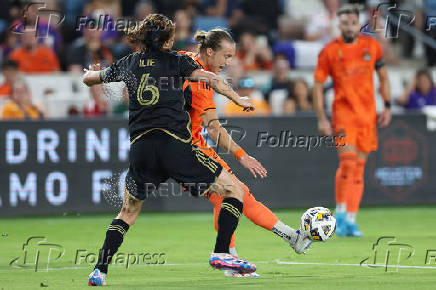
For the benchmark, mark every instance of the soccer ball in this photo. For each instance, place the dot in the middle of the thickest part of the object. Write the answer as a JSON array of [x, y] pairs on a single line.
[[319, 222]]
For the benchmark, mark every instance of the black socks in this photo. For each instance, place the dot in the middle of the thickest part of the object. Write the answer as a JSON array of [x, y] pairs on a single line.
[[231, 210], [114, 237]]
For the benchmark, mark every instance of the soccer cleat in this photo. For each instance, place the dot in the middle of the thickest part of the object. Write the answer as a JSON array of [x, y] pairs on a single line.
[[235, 274], [225, 261], [302, 243], [353, 230], [341, 225], [340, 218], [97, 278]]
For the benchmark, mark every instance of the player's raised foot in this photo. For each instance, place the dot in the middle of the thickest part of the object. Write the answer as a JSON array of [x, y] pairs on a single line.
[[97, 278], [341, 225], [236, 274], [302, 243], [225, 261], [353, 230]]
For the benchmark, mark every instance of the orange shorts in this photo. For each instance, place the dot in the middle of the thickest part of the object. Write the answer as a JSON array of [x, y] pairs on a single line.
[[364, 138]]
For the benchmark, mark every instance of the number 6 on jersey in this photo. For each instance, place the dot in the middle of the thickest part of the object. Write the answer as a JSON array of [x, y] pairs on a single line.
[[143, 87]]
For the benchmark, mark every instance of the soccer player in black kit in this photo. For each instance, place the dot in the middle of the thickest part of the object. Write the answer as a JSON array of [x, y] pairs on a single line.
[[160, 138]]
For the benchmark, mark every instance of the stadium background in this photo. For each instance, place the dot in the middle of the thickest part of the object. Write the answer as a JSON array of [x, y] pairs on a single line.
[[278, 44], [62, 163]]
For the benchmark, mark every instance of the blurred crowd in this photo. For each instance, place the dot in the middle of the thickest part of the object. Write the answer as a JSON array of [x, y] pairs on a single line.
[[268, 33]]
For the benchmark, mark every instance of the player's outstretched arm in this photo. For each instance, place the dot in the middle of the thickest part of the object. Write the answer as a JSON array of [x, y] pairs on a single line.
[[92, 76], [222, 87], [324, 126], [221, 137]]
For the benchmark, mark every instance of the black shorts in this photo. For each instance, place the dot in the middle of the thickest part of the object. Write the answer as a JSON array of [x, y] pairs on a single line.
[[157, 156]]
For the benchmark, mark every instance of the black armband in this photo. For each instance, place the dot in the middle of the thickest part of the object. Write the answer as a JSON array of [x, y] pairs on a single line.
[[388, 104], [379, 64]]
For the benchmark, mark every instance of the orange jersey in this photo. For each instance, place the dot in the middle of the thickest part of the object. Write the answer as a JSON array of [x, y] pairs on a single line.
[[202, 102], [12, 110], [351, 68], [43, 59]]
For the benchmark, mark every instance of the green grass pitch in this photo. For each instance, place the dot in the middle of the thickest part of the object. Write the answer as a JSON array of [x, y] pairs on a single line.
[[186, 239]]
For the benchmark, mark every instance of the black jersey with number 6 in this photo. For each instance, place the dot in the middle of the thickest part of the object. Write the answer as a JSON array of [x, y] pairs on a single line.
[[156, 101]]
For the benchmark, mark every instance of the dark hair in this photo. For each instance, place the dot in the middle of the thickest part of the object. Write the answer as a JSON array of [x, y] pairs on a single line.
[[10, 64], [152, 32], [212, 38], [292, 86], [349, 9], [424, 72]]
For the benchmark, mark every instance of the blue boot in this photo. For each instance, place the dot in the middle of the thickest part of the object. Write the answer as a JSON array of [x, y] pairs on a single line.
[[341, 226], [353, 230]]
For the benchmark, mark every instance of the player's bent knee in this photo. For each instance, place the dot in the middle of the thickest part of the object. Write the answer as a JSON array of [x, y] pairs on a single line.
[[227, 186]]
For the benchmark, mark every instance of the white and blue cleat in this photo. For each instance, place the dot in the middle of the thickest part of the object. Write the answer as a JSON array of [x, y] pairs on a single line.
[[97, 278]]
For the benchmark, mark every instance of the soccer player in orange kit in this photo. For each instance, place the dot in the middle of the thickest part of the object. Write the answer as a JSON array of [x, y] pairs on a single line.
[[351, 60], [216, 50]]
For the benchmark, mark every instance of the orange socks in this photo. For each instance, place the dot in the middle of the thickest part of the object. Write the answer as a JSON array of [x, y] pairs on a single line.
[[257, 212], [353, 199], [349, 184], [345, 176]]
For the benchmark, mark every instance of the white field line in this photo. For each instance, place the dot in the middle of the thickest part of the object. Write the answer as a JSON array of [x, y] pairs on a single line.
[[202, 264], [354, 265], [112, 266]]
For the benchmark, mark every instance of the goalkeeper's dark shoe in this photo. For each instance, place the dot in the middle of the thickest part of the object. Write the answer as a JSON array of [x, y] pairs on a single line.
[[97, 278], [224, 261]]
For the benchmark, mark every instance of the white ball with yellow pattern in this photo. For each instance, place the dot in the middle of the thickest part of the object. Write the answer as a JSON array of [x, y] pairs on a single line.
[[319, 222]]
